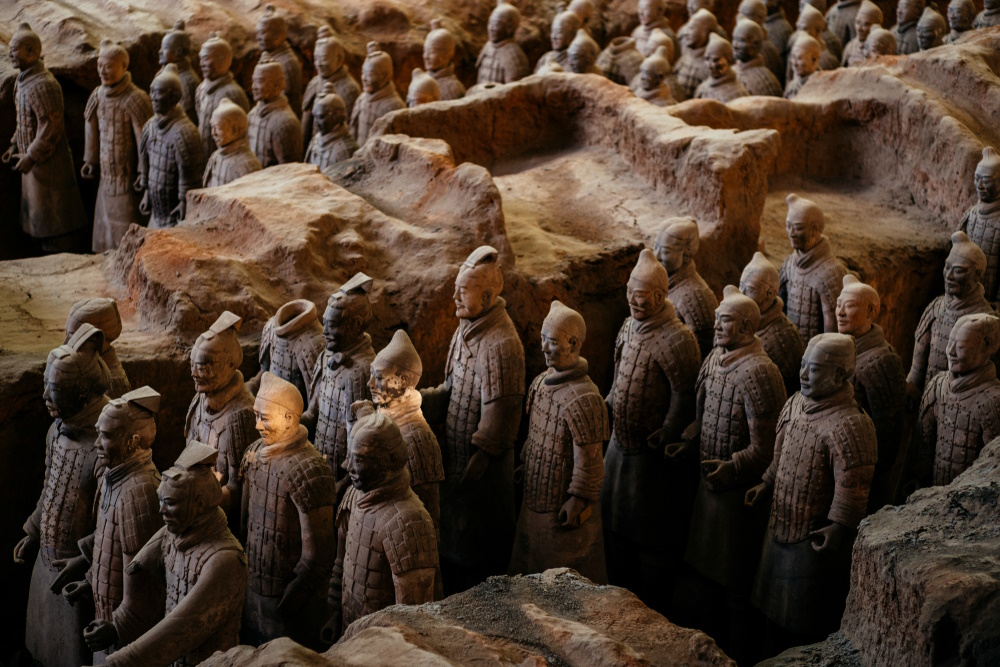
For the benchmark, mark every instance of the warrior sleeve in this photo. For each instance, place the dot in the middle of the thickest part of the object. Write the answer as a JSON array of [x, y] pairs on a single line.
[[143, 164], [923, 456], [853, 455], [32, 526], [886, 389], [288, 142], [763, 398], [922, 346], [140, 111], [309, 417], [963, 225], [587, 420], [92, 131], [313, 490], [410, 544], [784, 417], [502, 392], [145, 590], [519, 66], [619, 344], [48, 109], [190, 161], [236, 439], [783, 281], [340, 521], [681, 366], [140, 516]]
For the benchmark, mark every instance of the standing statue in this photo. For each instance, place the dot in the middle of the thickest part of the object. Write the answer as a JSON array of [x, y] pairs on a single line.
[[592, 18], [170, 159], [175, 49], [880, 42], [824, 459], [115, 115], [812, 24], [439, 54], [275, 132], [780, 338], [982, 221], [841, 18], [331, 68], [621, 61], [75, 381], [829, 40], [379, 96], [479, 404], [989, 17], [652, 16], [562, 465], [722, 84], [272, 38], [868, 16], [652, 399], [234, 157], [692, 68], [215, 58], [502, 60], [905, 31], [931, 29], [961, 15], [331, 141], [564, 28], [778, 27], [339, 375], [676, 245], [102, 313], [194, 563], [655, 82], [51, 208], [423, 89], [290, 343], [751, 70], [756, 11], [581, 57], [287, 522]]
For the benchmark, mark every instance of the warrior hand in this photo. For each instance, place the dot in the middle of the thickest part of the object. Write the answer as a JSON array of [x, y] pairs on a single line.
[[476, 468], [756, 494], [99, 635], [88, 170], [719, 474], [8, 155], [296, 593], [180, 210], [913, 396], [24, 547], [657, 439], [569, 515], [77, 590], [144, 204], [676, 451], [70, 569], [829, 538], [693, 432], [331, 631], [25, 164]]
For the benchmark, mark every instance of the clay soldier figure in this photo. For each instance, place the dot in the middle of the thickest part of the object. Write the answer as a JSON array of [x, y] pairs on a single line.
[[562, 464], [170, 159], [879, 380], [234, 157], [175, 49], [386, 547], [960, 410], [840, 19], [692, 68], [379, 96], [676, 245], [652, 16], [620, 60], [811, 277], [751, 71], [868, 16], [826, 36], [423, 89], [331, 68], [115, 115], [989, 17], [127, 506], [961, 14], [439, 54], [502, 60], [652, 399], [931, 29], [102, 313], [272, 38], [812, 24], [564, 28], [824, 459], [653, 81], [290, 343], [963, 295], [51, 208], [194, 563], [722, 84], [592, 19], [275, 131], [215, 58], [221, 412], [288, 501], [75, 381], [905, 31], [339, 375], [756, 11], [982, 221], [880, 42], [479, 403], [778, 27], [331, 142], [581, 57]]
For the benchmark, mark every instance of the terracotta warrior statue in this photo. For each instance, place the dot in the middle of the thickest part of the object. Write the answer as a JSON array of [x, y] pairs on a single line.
[[905, 31], [215, 59], [982, 221], [221, 412], [439, 56], [272, 38], [841, 18], [653, 83], [102, 313], [811, 277], [275, 131], [175, 49], [234, 157], [379, 96], [868, 16], [194, 563], [582, 54], [287, 522], [331, 69], [652, 399], [812, 24], [961, 14], [115, 115], [756, 11], [879, 380], [479, 403], [51, 208], [824, 459], [290, 343], [331, 141], [989, 17], [339, 375], [722, 84], [386, 546], [127, 508], [931, 29], [75, 381], [592, 18], [652, 16], [502, 60], [621, 60], [780, 338], [423, 89], [170, 159], [692, 68], [751, 70], [778, 27], [880, 42], [963, 295], [564, 28], [676, 245], [832, 43]]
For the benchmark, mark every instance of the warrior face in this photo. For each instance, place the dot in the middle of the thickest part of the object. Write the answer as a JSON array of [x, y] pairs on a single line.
[[111, 68], [471, 296], [364, 466], [115, 439], [987, 183], [854, 314], [863, 25], [960, 276], [731, 330], [908, 11], [23, 54], [819, 380], [643, 301], [275, 423], [210, 369], [328, 58], [177, 507], [63, 395], [213, 62], [561, 350], [386, 384], [967, 350]]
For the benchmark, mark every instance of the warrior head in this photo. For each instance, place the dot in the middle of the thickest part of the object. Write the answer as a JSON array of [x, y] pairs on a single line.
[[277, 408], [348, 313], [25, 47], [75, 374], [930, 29], [376, 73], [736, 320], [272, 30], [988, 176], [563, 333], [176, 45], [217, 354], [972, 343], [677, 243], [868, 16], [760, 281], [127, 425], [328, 53], [964, 267], [647, 287], [329, 111], [395, 371], [189, 489], [857, 307], [718, 56], [479, 283], [564, 28], [582, 52], [166, 90], [804, 222], [101, 312], [215, 57], [503, 22], [375, 448], [827, 365], [229, 123], [268, 79], [112, 62], [423, 89], [747, 39]]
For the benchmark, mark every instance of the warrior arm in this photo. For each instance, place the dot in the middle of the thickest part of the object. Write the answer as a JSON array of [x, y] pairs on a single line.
[[317, 546], [922, 469], [143, 165], [51, 126], [763, 401], [414, 586], [190, 162], [144, 590], [850, 492], [921, 349], [772, 468], [288, 143], [92, 130], [498, 424], [587, 420]]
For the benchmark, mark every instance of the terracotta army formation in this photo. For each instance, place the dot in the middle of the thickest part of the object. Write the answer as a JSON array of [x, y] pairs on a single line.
[[439, 56], [676, 245], [811, 23], [931, 29], [272, 38], [275, 132], [653, 81], [102, 313], [339, 375], [215, 59], [960, 409], [175, 49], [75, 381], [819, 479], [331, 141], [652, 400], [562, 464], [880, 42], [961, 14], [51, 208], [879, 380], [811, 277], [170, 158], [868, 16], [379, 95], [564, 28], [751, 70], [691, 68], [982, 221], [423, 89], [652, 16], [115, 115], [290, 343], [582, 55], [386, 545], [480, 405], [234, 157], [963, 295], [841, 18], [905, 31], [780, 338], [502, 60], [287, 522], [778, 27], [621, 60], [989, 17], [193, 568], [722, 84], [756, 11], [331, 69]]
